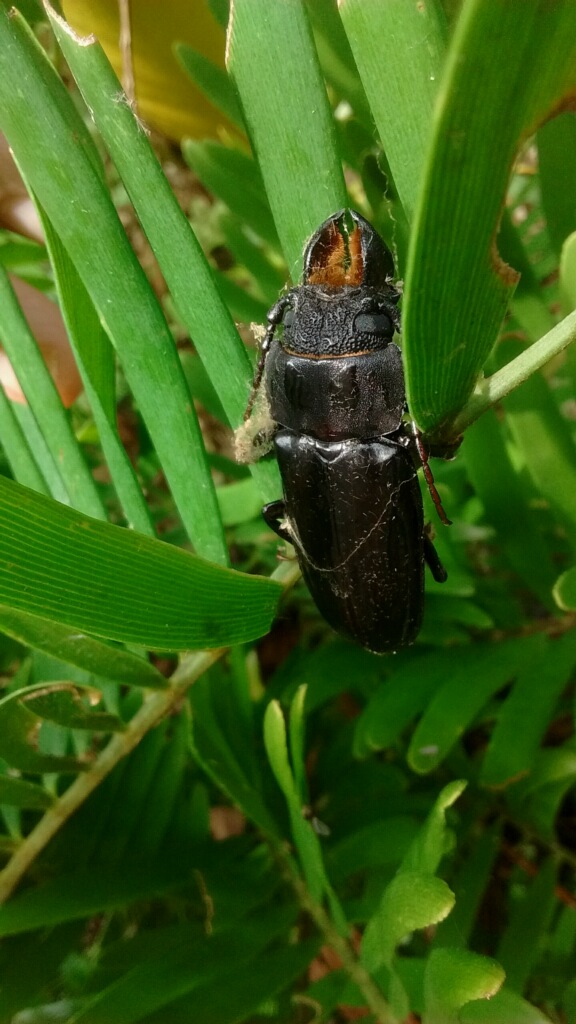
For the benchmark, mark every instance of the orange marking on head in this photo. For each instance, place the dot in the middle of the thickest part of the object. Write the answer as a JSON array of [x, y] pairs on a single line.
[[338, 260]]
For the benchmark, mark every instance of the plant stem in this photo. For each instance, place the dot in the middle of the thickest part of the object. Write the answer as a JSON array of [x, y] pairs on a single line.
[[154, 708], [350, 962], [501, 383]]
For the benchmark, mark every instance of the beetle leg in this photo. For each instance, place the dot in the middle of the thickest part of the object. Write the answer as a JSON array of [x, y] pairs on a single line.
[[259, 370], [274, 514], [423, 457], [433, 561], [275, 315]]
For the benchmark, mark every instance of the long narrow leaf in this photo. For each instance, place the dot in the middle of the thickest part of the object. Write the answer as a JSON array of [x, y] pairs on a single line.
[[457, 288], [45, 403], [102, 579], [17, 449], [402, 88], [94, 357], [291, 129], [55, 152], [179, 255], [78, 649]]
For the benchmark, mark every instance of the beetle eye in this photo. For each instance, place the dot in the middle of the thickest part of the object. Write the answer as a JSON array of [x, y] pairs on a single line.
[[373, 323], [288, 318]]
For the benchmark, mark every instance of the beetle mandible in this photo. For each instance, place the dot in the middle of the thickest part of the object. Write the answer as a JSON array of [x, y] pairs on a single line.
[[334, 381]]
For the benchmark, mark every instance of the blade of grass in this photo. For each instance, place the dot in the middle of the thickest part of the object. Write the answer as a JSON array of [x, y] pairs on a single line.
[[17, 449], [336, 59], [94, 358], [78, 649], [234, 177], [556, 156], [54, 149], [44, 401], [402, 88], [543, 436], [179, 255], [105, 580], [490, 99], [36, 443], [211, 80], [291, 130], [492, 475]]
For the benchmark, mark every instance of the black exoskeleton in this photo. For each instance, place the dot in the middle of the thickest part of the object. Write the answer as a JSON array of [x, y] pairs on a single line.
[[352, 505]]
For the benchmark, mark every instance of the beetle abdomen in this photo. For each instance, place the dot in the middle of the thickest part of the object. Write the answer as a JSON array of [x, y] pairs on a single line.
[[355, 513]]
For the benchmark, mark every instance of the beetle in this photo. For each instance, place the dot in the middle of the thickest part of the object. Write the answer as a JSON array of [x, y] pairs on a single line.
[[348, 457]]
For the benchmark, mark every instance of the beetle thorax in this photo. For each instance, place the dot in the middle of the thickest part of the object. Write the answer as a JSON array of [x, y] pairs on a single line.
[[324, 323]]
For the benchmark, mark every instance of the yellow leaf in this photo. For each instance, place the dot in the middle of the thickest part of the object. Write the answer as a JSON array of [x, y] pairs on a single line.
[[166, 98]]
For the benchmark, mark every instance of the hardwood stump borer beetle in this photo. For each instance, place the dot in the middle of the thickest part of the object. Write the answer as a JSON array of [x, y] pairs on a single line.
[[348, 455]]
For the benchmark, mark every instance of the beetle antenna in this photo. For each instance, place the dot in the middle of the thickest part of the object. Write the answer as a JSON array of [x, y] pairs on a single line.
[[423, 455]]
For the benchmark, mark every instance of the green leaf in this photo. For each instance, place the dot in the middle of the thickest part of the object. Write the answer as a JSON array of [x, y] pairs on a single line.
[[556, 152], [504, 1006], [44, 401], [456, 287], [179, 255], [95, 360], [540, 797], [247, 992], [492, 474], [470, 884], [529, 914], [160, 980], [78, 649], [277, 751], [412, 900], [69, 705], [59, 160], [255, 256], [297, 742], [371, 847], [336, 59], [114, 583], [82, 894], [291, 130], [401, 90], [37, 444], [239, 502], [218, 757], [211, 80], [394, 705], [63, 703], [465, 692], [511, 752], [430, 844], [234, 177], [454, 977], [544, 439], [568, 273], [17, 449], [19, 793], [565, 590], [305, 839]]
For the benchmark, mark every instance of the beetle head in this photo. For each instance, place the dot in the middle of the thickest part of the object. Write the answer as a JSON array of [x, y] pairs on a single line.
[[347, 251]]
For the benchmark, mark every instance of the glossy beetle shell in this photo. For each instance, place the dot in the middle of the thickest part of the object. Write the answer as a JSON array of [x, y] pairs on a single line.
[[334, 381], [354, 510]]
